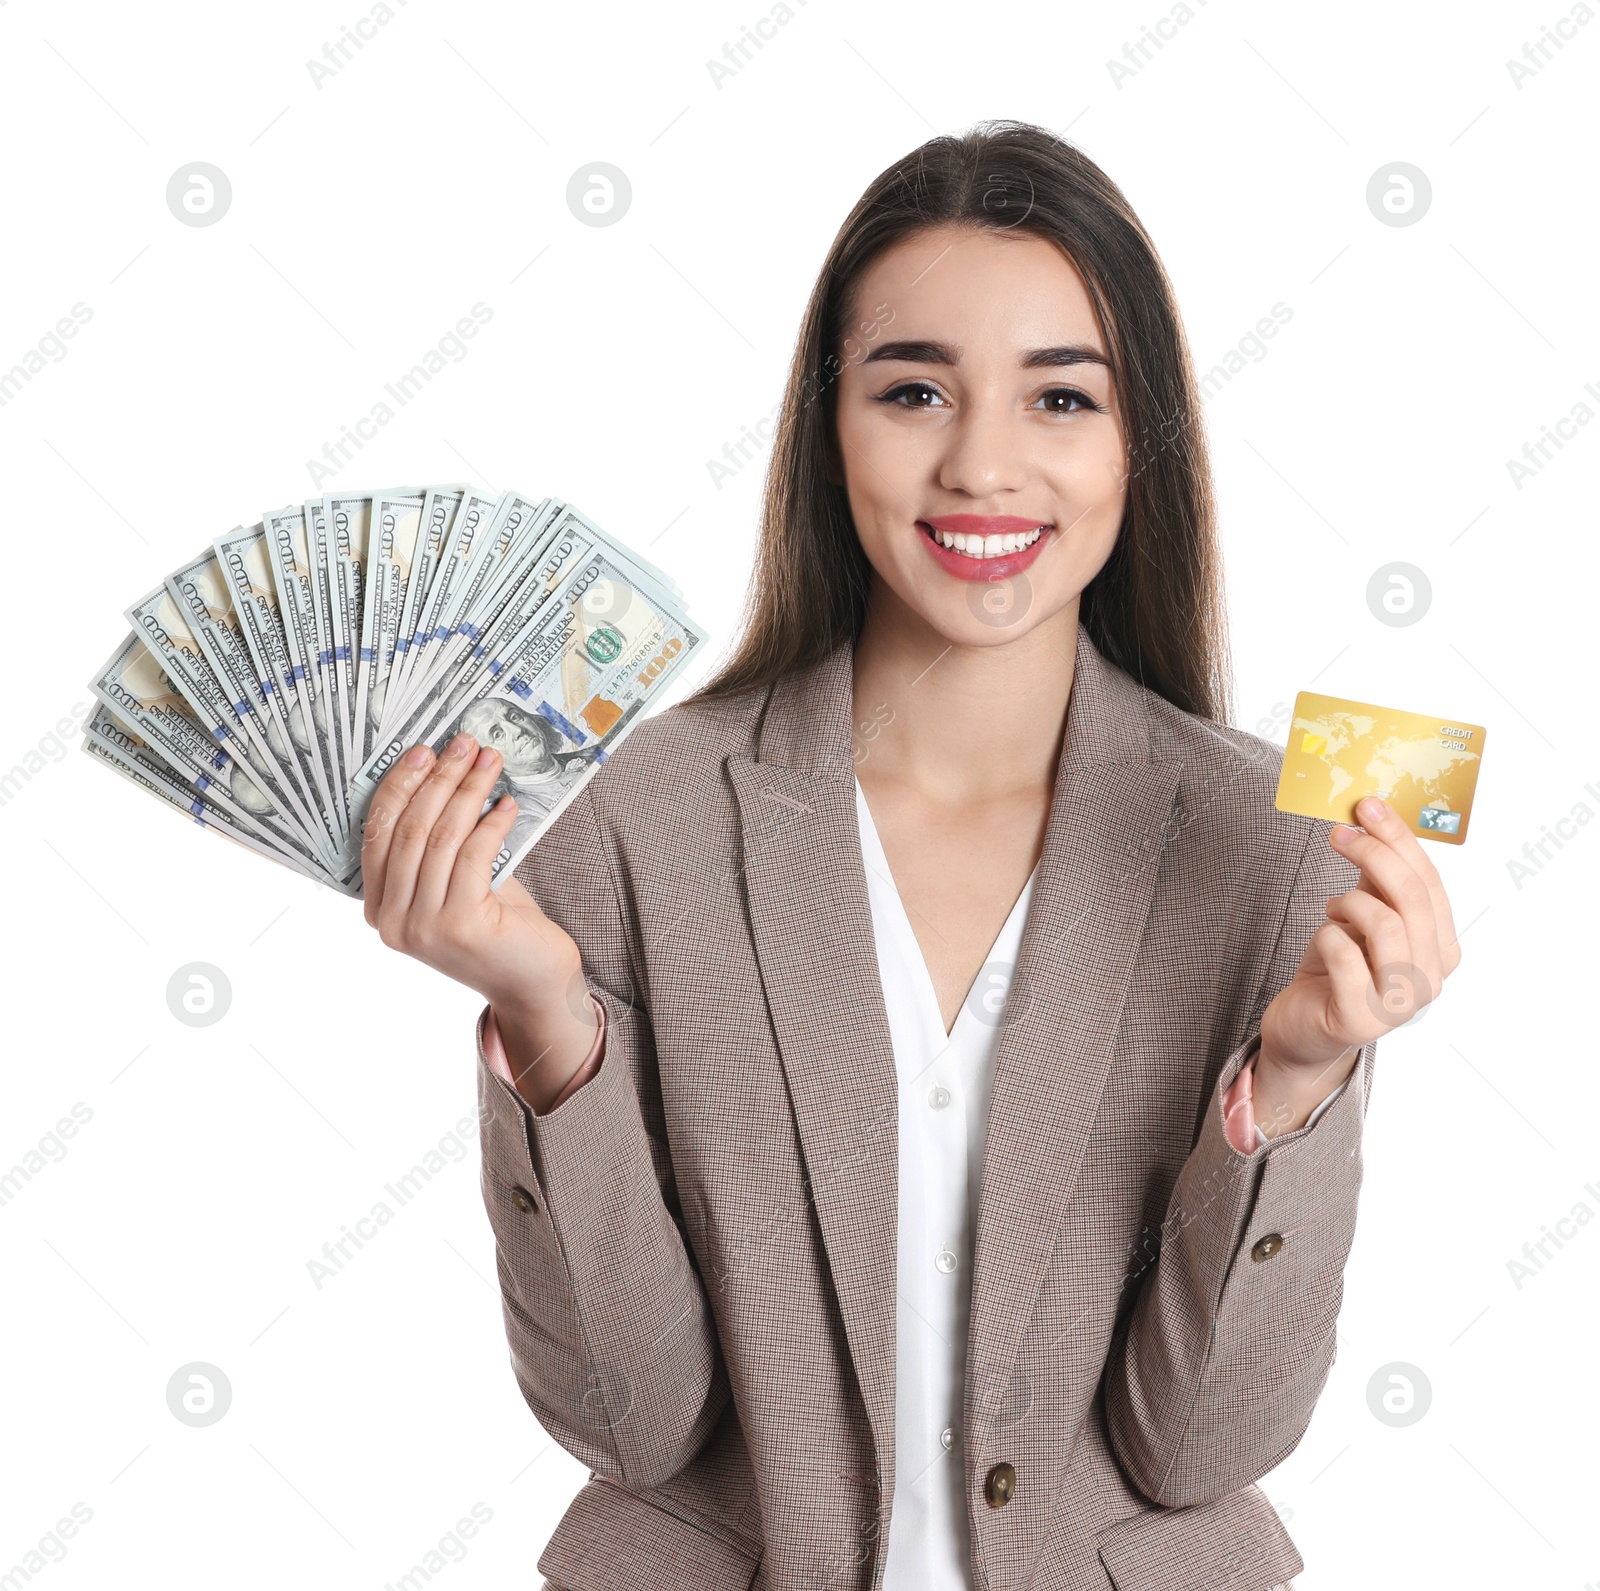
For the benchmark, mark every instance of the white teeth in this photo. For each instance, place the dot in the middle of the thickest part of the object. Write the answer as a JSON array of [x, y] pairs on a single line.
[[987, 546]]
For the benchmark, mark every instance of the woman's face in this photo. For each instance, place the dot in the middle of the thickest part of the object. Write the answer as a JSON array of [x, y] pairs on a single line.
[[982, 407]]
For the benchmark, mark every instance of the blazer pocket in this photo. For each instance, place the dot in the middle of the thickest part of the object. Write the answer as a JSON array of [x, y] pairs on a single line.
[[613, 1539], [1237, 1543]]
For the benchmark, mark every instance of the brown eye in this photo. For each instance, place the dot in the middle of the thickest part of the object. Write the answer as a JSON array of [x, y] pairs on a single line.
[[920, 388], [1068, 400]]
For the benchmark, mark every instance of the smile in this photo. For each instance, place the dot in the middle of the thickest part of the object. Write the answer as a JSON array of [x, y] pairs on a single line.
[[983, 546], [976, 546]]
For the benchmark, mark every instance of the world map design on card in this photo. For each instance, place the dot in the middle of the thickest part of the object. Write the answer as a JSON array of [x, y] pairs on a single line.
[[1424, 767]]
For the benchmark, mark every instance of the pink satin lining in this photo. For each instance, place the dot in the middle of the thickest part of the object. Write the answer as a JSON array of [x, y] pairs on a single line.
[[494, 1052], [1238, 1109]]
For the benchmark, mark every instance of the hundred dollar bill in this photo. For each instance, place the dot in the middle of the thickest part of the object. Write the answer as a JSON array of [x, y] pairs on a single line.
[[558, 554], [112, 734], [518, 523], [288, 551], [242, 557], [504, 540], [546, 562], [349, 516], [532, 579], [164, 628], [439, 505], [137, 691], [517, 533], [319, 540], [123, 752], [204, 597], [471, 523], [569, 692], [391, 550]]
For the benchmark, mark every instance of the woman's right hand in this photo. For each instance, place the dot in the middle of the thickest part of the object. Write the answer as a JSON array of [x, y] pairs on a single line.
[[426, 860]]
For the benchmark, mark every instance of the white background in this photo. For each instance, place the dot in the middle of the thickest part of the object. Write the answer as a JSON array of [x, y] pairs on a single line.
[[429, 174]]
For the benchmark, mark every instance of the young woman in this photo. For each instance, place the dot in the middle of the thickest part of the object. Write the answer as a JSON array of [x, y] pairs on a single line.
[[923, 1073]]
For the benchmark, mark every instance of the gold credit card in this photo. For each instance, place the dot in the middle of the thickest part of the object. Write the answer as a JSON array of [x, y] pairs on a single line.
[[1425, 768]]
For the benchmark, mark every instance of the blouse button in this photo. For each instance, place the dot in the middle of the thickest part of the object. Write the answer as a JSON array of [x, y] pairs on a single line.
[[945, 1261], [947, 1437], [939, 1096]]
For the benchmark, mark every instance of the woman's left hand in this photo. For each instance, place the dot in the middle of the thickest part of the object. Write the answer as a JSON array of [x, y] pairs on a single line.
[[1383, 954]]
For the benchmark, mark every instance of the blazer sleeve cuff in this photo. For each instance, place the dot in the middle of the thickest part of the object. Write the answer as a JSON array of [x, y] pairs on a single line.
[[494, 1052], [1299, 1187], [1226, 1201], [1238, 1108], [591, 1128]]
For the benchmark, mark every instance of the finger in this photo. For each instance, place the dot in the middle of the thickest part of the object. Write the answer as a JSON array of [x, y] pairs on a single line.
[[1381, 932], [1352, 1008], [1394, 881], [377, 833], [411, 832], [473, 873], [1379, 818], [452, 826]]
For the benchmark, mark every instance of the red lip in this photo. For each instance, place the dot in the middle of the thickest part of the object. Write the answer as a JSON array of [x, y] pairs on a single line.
[[1006, 567]]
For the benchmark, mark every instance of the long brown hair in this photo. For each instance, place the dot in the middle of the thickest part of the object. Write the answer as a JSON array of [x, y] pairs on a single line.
[[1156, 608]]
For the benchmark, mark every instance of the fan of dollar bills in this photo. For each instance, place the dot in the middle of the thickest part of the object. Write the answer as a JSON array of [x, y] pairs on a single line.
[[269, 684]]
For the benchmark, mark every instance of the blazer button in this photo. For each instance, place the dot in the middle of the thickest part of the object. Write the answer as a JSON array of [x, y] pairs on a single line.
[[524, 1200], [1264, 1248], [1000, 1485]]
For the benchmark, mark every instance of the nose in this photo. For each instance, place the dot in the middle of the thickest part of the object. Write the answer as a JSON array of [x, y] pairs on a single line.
[[985, 449]]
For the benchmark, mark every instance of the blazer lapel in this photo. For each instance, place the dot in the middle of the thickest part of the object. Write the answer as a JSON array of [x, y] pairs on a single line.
[[1108, 824], [811, 920]]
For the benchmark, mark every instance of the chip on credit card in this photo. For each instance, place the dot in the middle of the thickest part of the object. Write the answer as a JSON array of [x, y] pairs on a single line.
[[1425, 768]]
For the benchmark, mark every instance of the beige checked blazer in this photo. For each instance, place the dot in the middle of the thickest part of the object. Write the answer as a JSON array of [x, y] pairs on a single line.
[[697, 1249]]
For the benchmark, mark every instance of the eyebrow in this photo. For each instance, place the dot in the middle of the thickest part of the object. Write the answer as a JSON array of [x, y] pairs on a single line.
[[921, 352]]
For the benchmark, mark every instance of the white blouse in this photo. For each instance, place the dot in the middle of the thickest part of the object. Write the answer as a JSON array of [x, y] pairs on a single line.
[[944, 1111]]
